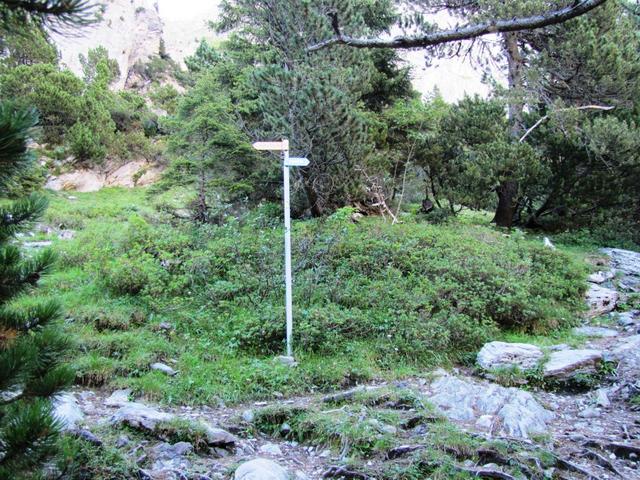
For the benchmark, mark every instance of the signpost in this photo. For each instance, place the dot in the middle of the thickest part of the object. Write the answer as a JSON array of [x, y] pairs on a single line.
[[288, 162]]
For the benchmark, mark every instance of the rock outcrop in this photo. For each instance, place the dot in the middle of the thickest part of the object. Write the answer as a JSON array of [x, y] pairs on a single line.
[[510, 410], [130, 30], [628, 263]]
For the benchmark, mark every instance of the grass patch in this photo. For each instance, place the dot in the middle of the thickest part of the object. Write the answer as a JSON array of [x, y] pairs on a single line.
[[372, 300]]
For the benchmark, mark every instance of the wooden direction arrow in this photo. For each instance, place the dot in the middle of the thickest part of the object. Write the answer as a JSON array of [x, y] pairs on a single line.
[[272, 146], [296, 162]]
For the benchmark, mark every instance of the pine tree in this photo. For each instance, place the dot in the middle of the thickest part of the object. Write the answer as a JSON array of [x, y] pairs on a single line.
[[32, 347]]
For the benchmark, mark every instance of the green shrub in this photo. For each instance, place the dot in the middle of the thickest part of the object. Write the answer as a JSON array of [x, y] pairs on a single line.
[[84, 144]]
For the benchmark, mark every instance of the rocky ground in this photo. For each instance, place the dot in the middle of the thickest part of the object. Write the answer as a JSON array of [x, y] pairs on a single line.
[[524, 412]]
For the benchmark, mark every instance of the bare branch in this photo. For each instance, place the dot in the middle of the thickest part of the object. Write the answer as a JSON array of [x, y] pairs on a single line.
[[553, 17], [546, 117]]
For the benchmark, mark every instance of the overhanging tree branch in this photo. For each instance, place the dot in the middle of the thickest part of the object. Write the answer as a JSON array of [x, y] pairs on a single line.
[[467, 32], [546, 117]]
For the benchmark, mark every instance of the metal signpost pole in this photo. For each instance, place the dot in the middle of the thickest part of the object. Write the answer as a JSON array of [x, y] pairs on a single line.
[[287, 162], [287, 251]]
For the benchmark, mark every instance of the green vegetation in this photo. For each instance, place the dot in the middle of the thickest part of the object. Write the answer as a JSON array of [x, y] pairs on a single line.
[[372, 299]]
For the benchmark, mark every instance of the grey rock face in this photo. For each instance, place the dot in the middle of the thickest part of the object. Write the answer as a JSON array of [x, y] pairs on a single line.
[[600, 300], [516, 412], [628, 263], [504, 355], [67, 411], [161, 367], [596, 332], [261, 469], [568, 363]]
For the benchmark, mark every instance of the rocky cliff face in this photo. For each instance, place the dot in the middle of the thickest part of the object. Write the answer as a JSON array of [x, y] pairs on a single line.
[[131, 30]]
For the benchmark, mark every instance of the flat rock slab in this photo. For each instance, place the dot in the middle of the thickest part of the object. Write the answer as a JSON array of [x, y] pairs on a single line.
[[565, 364], [598, 332], [627, 262], [261, 469], [511, 410], [139, 416], [504, 355], [600, 300]]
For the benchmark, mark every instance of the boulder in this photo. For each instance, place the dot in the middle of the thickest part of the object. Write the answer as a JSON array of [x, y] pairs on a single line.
[[261, 469], [79, 180], [598, 332], [566, 364], [139, 416], [627, 319], [628, 263], [513, 411], [67, 411], [270, 449], [167, 451], [601, 277], [503, 355], [600, 300], [118, 398], [217, 437]]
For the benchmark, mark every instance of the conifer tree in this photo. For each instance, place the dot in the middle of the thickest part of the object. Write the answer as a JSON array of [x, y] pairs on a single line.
[[32, 347]]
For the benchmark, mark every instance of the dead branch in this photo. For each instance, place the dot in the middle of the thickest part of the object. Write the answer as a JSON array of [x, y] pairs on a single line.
[[546, 117], [467, 32]]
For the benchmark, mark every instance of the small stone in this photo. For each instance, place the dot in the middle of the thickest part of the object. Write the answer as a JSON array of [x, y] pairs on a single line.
[[270, 449], [165, 326], [161, 367], [285, 429], [602, 399], [122, 441], [88, 436], [589, 412], [66, 234], [41, 244], [248, 416]]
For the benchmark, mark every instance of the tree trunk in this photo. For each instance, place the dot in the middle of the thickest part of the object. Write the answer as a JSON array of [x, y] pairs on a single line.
[[507, 199], [312, 197], [508, 189]]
